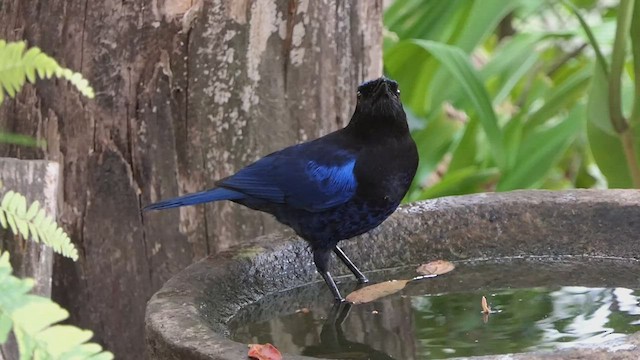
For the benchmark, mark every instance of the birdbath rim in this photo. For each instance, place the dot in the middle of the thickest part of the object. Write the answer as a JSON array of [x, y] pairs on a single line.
[[188, 317]]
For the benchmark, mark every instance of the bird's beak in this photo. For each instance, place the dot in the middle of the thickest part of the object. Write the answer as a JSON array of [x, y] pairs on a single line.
[[381, 89]]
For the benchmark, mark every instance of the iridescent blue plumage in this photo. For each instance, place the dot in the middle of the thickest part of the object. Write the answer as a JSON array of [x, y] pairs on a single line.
[[312, 176], [332, 188]]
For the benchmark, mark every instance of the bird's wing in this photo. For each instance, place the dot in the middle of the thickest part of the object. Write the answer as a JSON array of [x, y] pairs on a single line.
[[305, 176]]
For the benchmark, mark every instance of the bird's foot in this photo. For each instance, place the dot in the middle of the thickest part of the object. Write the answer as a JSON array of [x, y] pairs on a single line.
[[362, 280]]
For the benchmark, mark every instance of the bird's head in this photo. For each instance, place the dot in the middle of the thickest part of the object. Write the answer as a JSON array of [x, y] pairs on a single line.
[[379, 108]]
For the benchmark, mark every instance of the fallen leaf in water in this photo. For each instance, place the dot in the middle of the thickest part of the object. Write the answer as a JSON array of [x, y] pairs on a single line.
[[264, 352], [485, 318], [376, 291], [437, 267], [486, 309]]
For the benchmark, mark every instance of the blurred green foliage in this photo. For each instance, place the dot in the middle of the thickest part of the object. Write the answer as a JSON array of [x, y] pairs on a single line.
[[518, 94]]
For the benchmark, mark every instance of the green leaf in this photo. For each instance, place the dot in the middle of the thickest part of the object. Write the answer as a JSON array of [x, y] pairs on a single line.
[[6, 199], [16, 66], [435, 140], [541, 150], [33, 320], [511, 81], [484, 17], [509, 56], [23, 227], [5, 327], [464, 151], [461, 181], [598, 104], [12, 222], [3, 219], [604, 142], [608, 153], [40, 314], [413, 68], [601, 61], [60, 339], [434, 20], [513, 132], [456, 61], [33, 210], [560, 97], [34, 222], [635, 50]]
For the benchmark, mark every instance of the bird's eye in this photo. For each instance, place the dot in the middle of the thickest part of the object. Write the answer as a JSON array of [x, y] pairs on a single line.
[[359, 94], [398, 92]]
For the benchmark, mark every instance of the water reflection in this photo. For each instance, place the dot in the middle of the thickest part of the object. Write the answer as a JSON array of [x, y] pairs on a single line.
[[333, 343], [590, 315], [531, 319], [383, 330], [420, 323]]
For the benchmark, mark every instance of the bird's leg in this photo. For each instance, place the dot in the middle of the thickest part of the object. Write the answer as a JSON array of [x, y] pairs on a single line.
[[321, 258], [362, 279]]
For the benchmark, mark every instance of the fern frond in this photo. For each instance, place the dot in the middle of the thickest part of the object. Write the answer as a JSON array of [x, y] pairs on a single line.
[[33, 320], [16, 66], [34, 222]]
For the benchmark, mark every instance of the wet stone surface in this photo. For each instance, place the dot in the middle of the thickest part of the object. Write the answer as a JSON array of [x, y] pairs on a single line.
[[189, 317]]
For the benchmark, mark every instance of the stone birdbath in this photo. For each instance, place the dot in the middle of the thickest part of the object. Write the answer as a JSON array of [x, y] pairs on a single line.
[[192, 315]]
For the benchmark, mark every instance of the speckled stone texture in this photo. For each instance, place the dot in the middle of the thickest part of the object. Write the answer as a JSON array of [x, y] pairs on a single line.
[[188, 317]]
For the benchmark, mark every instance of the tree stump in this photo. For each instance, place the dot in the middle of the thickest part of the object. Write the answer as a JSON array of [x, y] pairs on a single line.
[[187, 91]]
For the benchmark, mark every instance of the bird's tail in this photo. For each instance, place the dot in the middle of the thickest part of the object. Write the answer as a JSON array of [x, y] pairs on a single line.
[[196, 198]]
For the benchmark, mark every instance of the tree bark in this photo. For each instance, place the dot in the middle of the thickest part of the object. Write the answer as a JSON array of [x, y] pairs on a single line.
[[187, 92], [36, 180]]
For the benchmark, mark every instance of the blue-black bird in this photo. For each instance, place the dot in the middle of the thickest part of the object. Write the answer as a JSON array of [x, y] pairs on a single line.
[[334, 187]]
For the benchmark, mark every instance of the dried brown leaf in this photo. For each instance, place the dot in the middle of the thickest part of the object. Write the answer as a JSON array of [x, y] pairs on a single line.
[[437, 267], [376, 291], [486, 309], [264, 352], [485, 318]]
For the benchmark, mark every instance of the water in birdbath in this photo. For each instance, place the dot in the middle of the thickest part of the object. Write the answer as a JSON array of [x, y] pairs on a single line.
[[537, 303]]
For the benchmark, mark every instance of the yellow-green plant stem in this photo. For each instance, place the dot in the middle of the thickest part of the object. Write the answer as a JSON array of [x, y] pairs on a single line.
[[628, 144], [601, 61], [625, 12], [634, 120], [620, 123]]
